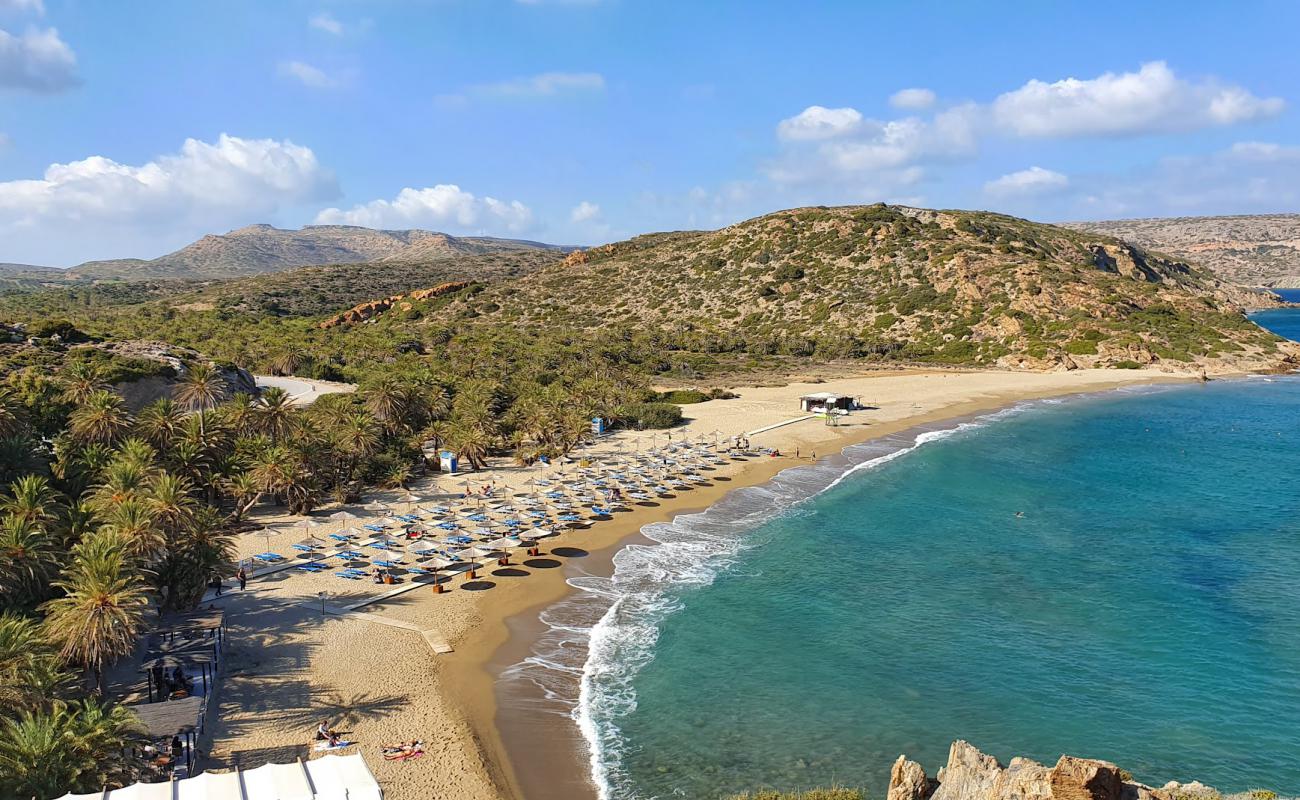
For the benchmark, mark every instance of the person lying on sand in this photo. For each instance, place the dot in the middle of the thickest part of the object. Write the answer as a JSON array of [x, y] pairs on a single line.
[[403, 750]]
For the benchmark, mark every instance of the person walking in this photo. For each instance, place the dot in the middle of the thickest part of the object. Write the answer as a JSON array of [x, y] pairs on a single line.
[[242, 576]]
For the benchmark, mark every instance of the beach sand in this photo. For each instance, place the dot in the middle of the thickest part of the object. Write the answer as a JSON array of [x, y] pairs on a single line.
[[376, 675]]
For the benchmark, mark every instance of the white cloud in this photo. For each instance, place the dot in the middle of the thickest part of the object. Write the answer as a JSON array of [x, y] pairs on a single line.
[[818, 122], [325, 21], [310, 76], [441, 206], [1151, 100], [1032, 181], [912, 99], [96, 207], [841, 146], [37, 61], [584, 212], [542, 85], [23, 6]]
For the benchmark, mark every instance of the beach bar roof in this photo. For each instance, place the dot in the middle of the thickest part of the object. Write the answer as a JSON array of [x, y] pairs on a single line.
[[823, 401], [327, 778]]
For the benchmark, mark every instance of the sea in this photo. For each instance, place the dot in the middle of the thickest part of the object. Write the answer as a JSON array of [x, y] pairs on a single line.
[[1113, 576]]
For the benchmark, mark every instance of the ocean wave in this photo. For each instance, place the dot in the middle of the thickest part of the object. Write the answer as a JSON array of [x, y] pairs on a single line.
[[600, 638]]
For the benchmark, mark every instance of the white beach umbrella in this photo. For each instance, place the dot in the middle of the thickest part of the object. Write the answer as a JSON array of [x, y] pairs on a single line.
[[343, 516]]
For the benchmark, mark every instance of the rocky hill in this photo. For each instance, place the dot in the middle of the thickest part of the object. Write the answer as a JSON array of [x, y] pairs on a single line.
[[262, 248], [972, 775], [898, 283], [1250, 250]]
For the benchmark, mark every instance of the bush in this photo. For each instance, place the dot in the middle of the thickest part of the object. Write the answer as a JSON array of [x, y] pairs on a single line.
[[1127, 364], [682, 396], [653, 415], [57, 327]]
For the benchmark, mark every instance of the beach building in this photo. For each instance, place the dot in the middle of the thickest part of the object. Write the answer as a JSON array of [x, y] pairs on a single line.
[[822, 402]]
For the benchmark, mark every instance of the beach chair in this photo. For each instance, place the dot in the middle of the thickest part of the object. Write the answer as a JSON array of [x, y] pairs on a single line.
[[269, 558]]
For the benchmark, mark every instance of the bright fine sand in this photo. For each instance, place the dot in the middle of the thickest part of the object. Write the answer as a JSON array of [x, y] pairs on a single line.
[[385, 674]]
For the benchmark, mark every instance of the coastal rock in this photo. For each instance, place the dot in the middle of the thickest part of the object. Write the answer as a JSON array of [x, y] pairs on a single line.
[[973, 775], [908, 781]]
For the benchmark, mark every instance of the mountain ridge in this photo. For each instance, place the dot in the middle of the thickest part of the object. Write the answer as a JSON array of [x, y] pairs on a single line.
[[1249, 249], [262, 248]]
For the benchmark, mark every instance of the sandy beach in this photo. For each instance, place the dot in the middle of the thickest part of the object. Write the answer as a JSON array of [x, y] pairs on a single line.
[[415, 664]]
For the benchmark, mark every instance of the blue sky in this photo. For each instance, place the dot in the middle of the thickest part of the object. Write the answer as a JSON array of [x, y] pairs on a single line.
[[132, 128]]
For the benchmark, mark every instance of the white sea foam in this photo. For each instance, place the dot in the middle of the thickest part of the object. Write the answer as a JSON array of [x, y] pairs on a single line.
[[601, 637]]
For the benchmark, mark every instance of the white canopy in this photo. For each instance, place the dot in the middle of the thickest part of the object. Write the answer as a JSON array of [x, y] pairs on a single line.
[[331, 777]]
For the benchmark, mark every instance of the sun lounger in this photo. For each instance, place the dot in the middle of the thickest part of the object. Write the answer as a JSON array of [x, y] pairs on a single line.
[[269, 557], [312, 566]]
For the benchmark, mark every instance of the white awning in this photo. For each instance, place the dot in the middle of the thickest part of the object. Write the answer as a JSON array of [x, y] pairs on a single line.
[[330, 777]]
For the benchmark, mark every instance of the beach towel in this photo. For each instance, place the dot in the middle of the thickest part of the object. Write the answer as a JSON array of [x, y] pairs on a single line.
[[339, 746]]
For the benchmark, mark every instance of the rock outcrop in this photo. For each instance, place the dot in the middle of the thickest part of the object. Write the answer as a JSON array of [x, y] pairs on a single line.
[[373, 308], [972, 775]]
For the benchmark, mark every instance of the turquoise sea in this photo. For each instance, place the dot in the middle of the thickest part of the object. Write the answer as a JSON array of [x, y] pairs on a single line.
[[1114, 576]]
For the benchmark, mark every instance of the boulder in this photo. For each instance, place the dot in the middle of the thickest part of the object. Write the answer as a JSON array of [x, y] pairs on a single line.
[[972, 775]]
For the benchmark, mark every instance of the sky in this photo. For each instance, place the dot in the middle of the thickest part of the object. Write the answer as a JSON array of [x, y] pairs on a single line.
[[130, 128]]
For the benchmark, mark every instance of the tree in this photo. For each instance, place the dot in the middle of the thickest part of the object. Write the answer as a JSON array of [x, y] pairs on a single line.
[[200, 388], [101, 418], [98, 619], [198, 553], [80, 380], [79, 746], [28, 558], [275, 414], [280, 473], [158, 422], [31, 675], [244, 489], [32, 499], [135, 523], [470, 442]]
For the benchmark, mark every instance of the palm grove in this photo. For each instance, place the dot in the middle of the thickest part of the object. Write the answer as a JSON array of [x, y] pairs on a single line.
[[112, 517]]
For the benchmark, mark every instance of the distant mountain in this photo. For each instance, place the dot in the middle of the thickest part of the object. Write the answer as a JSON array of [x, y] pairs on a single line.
[[26, 268], [898, 283], [259, 249], [1262, 250]]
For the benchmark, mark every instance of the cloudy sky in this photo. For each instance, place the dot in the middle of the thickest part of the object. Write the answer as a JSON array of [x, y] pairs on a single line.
[[131, 128]]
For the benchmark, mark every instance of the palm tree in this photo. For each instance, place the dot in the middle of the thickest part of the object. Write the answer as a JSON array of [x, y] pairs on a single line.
[[98, 619], [241, 413], [28, 558], [169, 500], [136, 451], [80, 380], [244, 490], [32, 499], [275, 414], [389, 402], [470, 442], [10, 425], [101, 418], [158, 422], [121, 480], [78, 747], [201, 388], [201, 552], [280, 473], [31, 675], [288, 362], [134, 522]]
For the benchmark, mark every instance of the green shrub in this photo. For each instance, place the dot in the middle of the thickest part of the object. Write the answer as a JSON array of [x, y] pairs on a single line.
[[652, 415], [1127, 364], [683, 396]]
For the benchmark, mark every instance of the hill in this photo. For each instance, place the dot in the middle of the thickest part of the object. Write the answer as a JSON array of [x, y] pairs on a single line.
[[1259, 250], [259, 249], [898, 283]]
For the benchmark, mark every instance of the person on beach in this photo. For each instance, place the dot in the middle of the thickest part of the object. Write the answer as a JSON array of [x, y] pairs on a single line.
[[323, 732], [242, 577]]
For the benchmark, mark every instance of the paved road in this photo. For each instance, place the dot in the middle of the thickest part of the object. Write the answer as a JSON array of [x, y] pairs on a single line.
[[302, 391]]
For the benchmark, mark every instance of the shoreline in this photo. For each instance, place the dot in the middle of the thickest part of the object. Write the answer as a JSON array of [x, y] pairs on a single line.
[[544, 757]]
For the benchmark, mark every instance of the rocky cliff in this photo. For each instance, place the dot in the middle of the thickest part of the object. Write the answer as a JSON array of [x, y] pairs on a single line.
[[1262, 250], [373, 308], [972, 775]]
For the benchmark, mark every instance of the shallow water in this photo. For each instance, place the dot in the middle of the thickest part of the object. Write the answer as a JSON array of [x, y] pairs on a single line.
[[1143, 610]]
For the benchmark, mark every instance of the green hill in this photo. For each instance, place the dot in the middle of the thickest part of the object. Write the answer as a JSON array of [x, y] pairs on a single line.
[[897, 283]]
